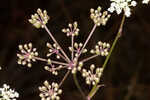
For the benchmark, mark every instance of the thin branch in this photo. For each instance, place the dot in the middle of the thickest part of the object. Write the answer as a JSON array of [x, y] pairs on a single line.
[[59, 54], [52, 61], [115, 41], [60, 63], [72, 42], [48, 31], [40, 59], [95, 89], [78, 86], [66, 75], [89, 58], [91, 33], [74, 75], [110, 52]]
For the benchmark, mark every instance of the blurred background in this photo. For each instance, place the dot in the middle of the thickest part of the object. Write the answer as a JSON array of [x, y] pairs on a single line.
[[127, 75]]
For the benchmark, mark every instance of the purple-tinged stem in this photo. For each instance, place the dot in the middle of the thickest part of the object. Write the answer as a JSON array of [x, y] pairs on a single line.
[[74, 75], [66, 75], [59, 54], [88, 98], [89, 58], [72, 42], [62, 57], [48, 31], [60, 63], [54, 62], [91, 33], [58, 68], [41, 59]]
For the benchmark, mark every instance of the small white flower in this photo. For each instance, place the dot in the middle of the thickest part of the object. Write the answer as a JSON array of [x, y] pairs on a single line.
[[27, 54], [101, 49], [133, 3], [145, 1], [8, 94], [98, 17], [93, 75], [39, 19], [72, 29], [122, 5]]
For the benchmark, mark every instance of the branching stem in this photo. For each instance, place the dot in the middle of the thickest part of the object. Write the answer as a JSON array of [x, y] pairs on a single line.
[[78, 86], [52, 61], [91, 33], [89, 58], [74, 75], [48, 31], [90, 95], [72, 42]]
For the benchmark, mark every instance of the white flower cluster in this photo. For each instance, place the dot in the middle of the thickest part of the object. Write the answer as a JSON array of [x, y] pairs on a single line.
[[98, 17], [145, 1], [73, 29], [101, 49], [8, 94], [39, 19], [50, 92], [53, 49], [27, 54], [122, 5], [90, 76], [77, 48]]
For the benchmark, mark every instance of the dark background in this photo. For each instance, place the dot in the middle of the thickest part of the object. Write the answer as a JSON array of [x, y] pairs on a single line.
[[127, 75]]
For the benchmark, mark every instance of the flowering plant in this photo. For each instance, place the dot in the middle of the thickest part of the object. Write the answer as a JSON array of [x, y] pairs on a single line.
[[73, 62], [6, 93]]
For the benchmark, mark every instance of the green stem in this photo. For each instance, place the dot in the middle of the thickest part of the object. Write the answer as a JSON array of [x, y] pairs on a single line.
[[74, 75], [115, 41], [92, 92], [77, 85], [95, 87]]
